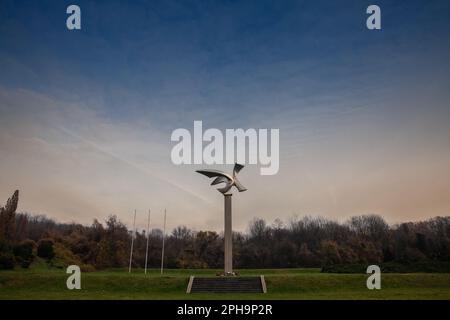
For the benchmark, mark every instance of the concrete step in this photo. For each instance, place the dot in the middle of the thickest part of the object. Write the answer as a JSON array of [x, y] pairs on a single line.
[[226, 285]]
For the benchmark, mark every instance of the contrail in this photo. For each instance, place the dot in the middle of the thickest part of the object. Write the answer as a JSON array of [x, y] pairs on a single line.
[[133, 165]]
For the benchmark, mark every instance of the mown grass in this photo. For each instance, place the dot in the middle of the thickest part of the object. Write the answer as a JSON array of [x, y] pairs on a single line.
[[45, 283]]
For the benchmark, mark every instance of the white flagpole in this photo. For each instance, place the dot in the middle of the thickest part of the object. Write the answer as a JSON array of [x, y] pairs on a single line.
[[164, 235], [148, 237], [132, 240]]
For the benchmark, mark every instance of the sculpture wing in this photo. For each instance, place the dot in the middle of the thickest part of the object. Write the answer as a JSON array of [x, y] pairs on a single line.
[[239, 186], [215, 173], [237, 167], [220, 179], [226, 188]]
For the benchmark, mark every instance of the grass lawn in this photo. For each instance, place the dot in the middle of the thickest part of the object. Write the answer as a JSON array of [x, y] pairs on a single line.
[[281, 284]]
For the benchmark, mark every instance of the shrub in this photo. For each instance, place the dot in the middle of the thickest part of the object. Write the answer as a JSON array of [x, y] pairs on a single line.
[[24, 252], [6, 260], [391, 267], [64, 257], [45, 249]]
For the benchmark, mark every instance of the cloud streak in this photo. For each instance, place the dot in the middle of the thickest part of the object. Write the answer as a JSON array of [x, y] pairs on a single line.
[[86, 118]]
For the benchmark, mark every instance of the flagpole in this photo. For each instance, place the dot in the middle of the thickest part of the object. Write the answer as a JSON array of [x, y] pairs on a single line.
[[132, 240], [148, 237], [164, 235]]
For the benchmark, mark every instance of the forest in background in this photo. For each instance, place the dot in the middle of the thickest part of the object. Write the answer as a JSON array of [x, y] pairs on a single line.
[[300, 242]]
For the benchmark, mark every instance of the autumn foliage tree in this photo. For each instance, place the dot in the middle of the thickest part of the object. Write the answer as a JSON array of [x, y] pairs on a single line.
[[299, 242]]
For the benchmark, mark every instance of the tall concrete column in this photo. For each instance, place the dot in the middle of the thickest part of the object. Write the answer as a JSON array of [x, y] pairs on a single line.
[[230, 181], [228, 236]]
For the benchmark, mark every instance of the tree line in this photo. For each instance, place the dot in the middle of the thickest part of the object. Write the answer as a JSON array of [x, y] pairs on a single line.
[[300, 242]]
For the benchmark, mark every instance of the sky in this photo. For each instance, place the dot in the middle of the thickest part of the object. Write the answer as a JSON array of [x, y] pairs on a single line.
[[86, 115]]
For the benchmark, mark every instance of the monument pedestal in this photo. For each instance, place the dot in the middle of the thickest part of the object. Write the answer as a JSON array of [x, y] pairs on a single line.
[[226, 285]]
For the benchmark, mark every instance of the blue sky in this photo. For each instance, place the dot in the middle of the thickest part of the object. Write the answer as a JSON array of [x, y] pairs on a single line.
[[215, 55], [359, 111]]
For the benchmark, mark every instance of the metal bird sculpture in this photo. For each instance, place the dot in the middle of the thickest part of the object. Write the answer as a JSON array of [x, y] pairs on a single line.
[[222, 177]]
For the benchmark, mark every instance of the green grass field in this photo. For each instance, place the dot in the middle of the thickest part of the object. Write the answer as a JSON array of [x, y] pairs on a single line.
[[281, 284]]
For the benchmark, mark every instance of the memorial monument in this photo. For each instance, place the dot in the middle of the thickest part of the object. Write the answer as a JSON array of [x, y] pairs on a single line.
[[229, 282], [230, 181]]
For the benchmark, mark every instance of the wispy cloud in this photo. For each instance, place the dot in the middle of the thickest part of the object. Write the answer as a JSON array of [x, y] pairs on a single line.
[[86, 118]]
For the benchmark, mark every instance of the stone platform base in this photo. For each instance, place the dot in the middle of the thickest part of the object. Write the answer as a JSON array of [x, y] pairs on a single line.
[[234, 284]]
